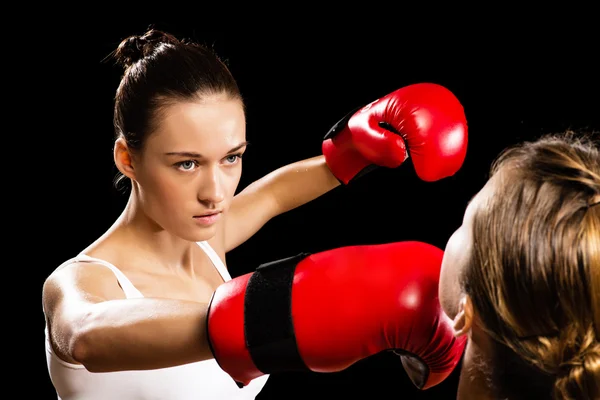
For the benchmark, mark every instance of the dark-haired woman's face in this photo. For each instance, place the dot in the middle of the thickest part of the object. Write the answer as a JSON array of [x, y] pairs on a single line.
[[191, 166]]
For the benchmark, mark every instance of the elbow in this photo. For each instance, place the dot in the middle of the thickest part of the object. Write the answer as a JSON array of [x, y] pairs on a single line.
[[81, 349], [83, 345]]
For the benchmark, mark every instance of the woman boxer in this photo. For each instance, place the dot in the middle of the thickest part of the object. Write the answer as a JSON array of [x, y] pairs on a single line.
[[521, 276], [126, 318]]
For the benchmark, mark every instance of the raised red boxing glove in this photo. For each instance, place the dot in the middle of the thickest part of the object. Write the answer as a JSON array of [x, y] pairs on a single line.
[[326, 311], [424, 121]]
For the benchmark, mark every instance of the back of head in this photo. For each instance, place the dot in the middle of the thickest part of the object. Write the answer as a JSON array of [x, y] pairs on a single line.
[[160, 70], [534, 276]]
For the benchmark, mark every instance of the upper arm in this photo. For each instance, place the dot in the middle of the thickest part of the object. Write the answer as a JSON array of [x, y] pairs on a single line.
[[67, 295], [250, 210]]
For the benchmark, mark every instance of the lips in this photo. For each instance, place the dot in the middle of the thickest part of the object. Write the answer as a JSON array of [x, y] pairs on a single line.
[[207, 219], [207, 214]]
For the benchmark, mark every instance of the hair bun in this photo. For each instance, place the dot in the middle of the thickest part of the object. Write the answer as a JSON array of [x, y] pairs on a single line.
[[580, 376], [136, 47]]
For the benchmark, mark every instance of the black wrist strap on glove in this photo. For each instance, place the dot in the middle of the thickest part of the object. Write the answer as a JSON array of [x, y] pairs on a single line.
[[268, 324], [335, 129]]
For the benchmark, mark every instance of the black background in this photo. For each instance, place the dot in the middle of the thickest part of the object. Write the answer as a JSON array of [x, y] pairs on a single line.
[[514, 86]]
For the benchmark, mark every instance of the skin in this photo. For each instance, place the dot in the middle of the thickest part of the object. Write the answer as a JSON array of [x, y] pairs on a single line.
[[153, 242], [458, 305]]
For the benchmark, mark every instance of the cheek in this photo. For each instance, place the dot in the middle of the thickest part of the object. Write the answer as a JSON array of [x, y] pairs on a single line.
[[452, 264], [169, 190], [230, 182], [160, 188]]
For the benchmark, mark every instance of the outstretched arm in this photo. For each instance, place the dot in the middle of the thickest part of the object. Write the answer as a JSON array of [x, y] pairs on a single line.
[[280, 191], [91, 323]]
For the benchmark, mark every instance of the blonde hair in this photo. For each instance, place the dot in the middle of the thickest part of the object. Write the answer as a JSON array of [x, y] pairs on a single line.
[[534, 275]]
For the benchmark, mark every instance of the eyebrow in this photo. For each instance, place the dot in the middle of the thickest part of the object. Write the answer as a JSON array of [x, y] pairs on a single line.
[[192, 154]]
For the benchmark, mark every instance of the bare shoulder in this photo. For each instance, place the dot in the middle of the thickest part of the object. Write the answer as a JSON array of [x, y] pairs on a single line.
[[80, 282], [67, 295]]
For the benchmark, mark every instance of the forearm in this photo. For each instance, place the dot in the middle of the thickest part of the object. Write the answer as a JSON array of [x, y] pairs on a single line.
[[276, 193], [137, 334], [301, 182]]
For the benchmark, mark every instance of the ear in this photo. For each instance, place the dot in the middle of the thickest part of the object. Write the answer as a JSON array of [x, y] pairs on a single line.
[[123, 158], [463, 321]]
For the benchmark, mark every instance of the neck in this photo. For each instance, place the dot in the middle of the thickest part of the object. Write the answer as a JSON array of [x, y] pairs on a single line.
[[474, 382], [152, 241]]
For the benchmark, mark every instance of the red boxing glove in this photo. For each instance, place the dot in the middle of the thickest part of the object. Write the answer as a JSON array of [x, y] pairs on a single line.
[[326, 311], [423, 120]]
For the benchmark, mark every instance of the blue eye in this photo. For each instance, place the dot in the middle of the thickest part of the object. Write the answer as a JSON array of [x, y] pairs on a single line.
[[186, 165], [233, 158]]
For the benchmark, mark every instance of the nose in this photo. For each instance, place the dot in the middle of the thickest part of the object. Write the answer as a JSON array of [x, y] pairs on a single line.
[[211, 188]]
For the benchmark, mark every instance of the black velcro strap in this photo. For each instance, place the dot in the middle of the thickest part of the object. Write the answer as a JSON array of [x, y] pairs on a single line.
[[268, 325], [341, 124]]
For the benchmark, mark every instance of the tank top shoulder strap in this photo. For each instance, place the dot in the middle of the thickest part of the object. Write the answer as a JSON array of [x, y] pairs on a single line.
[[216, 260], [128, 288]]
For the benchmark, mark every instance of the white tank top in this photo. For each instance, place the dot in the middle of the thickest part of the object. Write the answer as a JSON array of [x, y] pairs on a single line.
[[203, 380]]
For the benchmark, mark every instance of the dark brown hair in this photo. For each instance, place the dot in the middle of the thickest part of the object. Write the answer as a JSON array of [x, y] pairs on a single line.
[[534, 275], [159, 70]]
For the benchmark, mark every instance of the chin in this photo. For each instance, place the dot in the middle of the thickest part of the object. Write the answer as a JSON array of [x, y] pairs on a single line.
[[195, 234], [202, 234]]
